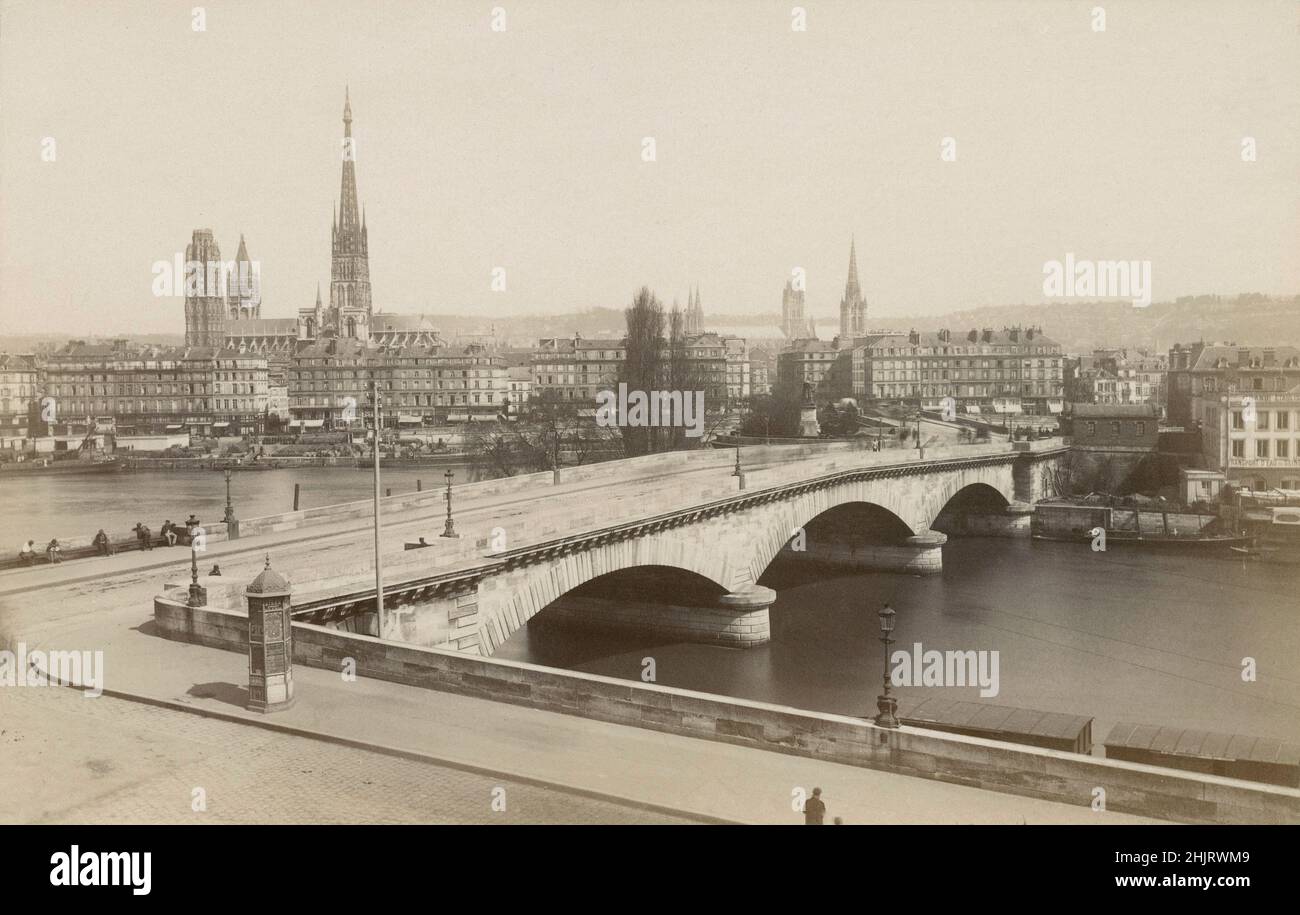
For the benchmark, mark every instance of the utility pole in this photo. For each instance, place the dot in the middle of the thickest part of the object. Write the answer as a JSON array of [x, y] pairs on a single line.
[[376, 403]]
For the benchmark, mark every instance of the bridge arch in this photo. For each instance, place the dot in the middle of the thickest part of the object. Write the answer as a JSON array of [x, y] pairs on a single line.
[[509, 600]]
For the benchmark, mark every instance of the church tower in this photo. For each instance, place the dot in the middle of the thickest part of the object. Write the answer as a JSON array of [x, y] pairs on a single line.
[[205, 296], [794, 324], [350, 270], [694, 313], [853, 308], [243, 287]]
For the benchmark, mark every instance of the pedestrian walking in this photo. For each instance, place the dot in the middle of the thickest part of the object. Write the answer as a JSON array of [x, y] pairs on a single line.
[[814, 809]]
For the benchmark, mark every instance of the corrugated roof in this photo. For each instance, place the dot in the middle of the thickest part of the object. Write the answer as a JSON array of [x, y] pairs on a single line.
[[1203, 744]]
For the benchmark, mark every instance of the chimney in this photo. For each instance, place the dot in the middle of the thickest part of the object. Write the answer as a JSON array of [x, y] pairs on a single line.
[[913, 337], [973, 336], [945, 335], [1029, 333], [1013, 334], [1270, 357], [987, 335], [1243, 358]]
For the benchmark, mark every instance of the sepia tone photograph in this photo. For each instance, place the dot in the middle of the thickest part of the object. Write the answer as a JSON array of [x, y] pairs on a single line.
[[750, 413]]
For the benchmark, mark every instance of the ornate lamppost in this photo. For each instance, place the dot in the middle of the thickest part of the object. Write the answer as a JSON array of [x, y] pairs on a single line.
[[230, 508], [886, 704], [198, 593], [449, 529]]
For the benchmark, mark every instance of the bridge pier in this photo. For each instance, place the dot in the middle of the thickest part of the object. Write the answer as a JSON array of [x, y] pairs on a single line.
[[921, 554], [739, 620], [1012, 521]]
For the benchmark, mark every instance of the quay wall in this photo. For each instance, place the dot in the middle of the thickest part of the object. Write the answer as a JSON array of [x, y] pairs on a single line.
[[1030, 771]]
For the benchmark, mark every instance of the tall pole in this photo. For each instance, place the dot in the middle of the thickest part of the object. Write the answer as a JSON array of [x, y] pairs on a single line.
[[449, 529], [379, 566]]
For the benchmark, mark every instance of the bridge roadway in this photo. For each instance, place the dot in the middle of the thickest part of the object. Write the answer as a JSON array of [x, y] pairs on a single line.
[[520, 551], [333, 540]]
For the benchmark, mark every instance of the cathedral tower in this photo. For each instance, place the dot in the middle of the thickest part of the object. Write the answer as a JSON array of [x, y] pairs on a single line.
[[243, 287], [205, 295], [853, 308]]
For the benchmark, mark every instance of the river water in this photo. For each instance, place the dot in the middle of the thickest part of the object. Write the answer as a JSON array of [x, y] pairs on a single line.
[[1122, 635], [42, 507]]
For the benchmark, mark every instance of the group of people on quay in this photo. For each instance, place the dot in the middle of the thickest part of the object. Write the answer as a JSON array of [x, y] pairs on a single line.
[[170, 533]]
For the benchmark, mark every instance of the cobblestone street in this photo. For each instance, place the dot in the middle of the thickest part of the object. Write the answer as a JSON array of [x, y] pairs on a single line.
[[69, 759]]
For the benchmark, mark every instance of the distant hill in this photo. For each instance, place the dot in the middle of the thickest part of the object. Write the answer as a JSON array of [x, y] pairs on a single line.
[[1079, 327]]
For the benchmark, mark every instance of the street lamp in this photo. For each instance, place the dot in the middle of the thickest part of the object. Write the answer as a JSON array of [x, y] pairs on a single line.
[[198, 594], [449, 529], [886, 704], [376, 400], [230, 509]]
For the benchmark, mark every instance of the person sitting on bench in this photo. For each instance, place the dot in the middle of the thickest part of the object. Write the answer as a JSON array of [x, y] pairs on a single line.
[[102, 545], [54, 551], [169, 532], [27, 553], [144, 535]]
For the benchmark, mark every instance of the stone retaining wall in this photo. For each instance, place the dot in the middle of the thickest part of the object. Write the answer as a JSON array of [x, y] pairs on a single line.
[[1029, 771]]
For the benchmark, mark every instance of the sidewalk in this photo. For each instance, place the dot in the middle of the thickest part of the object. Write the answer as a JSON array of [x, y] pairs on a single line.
[[647, 768]]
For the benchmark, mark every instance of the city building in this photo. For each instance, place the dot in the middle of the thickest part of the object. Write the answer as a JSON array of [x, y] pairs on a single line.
[[1015, 370], [738, 372], [807, 360], [19, 394], [573, 369], [1252, 438], [1203, 371], [519, 390], [158, 390], [762, 369], [329, 384], [1113, 427]]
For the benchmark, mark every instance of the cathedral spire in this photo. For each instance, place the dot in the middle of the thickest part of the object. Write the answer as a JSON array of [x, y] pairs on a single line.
[[350, 268], [852, 290], [853, 308]]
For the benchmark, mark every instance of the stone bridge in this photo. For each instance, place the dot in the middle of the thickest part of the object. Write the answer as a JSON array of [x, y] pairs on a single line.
[[678, 551], [692, 573]]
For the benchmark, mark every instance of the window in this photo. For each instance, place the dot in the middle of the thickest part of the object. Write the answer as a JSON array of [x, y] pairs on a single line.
[[1114, 428], [1237, 421], [1239, 447], [1262, 421], [1261, 447], [1092, 428], [1141, 429], [1283, 448], [1283, 420]]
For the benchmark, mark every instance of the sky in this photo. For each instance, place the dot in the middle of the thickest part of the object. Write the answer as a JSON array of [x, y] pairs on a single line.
[[523, 149]]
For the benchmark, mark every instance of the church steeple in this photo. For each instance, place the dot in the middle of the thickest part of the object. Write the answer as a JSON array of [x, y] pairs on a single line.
[[853, 307], [852, 290], [350, 273]]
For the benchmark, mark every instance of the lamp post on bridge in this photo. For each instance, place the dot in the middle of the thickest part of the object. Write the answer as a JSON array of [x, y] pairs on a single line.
[[886, 704], [449, 529]]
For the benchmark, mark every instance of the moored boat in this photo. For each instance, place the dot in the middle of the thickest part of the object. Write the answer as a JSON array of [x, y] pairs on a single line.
[[68, 467]]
